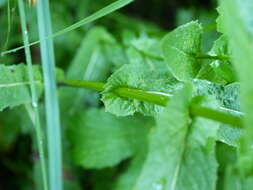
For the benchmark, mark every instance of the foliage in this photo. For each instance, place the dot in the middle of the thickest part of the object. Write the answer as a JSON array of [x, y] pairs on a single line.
[[159, 119]]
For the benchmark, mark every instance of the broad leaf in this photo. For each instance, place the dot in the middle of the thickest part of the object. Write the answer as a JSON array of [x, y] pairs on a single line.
[[14, 85], [153, 77], [85, 52], [149, 47], [204, 87], [228, 98], [127, 180], [180, 48], [101, 140], [234, 182], [181, 151], [229, 135], [241, 43], [115, 54], [89, 63]]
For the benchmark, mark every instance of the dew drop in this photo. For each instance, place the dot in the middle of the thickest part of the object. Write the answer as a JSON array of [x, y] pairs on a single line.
[[34, 104], [216, 63], [158, 186]]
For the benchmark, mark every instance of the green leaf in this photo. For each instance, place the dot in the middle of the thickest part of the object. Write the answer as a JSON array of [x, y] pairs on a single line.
[[219, 21], [127, 180], [233, 182], [229, 135], [153, 77], [228, 98], [226, 95], [101, 140], [180, 47], [89, 63], [231, 96], [204, 87], [134, 56], [14, 85], [181, 151], [83, 57], [207, 72], [241, 40], [223, 67], [148, 47], [115, 54]]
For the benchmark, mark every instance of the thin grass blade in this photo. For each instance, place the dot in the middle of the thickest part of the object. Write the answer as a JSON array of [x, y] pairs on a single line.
[[51, 99], [36, 119], [95, 16]]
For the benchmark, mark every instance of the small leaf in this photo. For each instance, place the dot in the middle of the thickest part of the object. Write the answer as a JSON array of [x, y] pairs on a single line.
[[223, 67], [180, 48], [219, 21], [154, 77]]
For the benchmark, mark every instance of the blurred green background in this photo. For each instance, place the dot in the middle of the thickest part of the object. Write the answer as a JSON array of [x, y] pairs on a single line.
[[153, 18]]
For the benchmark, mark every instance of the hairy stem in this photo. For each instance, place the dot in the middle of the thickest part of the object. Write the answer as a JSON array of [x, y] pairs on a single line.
[[229, 117]]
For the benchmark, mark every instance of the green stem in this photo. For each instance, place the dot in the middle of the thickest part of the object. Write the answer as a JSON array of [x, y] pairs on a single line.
[[38, 129], [231, 118], [206, 56]]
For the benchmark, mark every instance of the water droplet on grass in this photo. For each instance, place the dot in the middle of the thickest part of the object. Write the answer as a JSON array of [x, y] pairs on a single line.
[[158, 186], [34, 104]]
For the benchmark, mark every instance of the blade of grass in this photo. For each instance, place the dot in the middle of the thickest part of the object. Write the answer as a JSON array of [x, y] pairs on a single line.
[[51, 99], [36, 118], [9, 25], [97, 15]]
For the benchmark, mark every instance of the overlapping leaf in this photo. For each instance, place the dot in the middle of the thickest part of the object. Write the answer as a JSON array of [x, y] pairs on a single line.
[[228, 98], [181, 151], [180, 48], [127, 180], [240, 40], [101, 140], [222, 66], [14, 85], [89, 63], [153, 77]]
